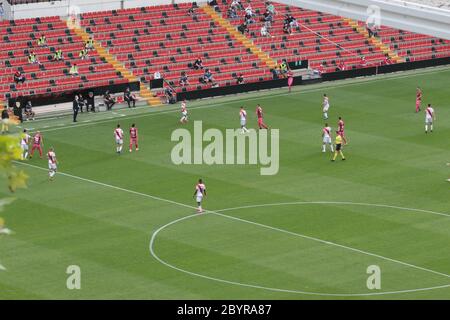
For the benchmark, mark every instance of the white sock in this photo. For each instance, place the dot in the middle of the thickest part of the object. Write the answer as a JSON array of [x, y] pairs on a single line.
[[325, 115], [323, 148], [431, 126], [426, 127], [331, 147]]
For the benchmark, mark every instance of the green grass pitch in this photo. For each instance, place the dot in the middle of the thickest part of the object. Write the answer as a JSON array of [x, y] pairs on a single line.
[[102, 209]]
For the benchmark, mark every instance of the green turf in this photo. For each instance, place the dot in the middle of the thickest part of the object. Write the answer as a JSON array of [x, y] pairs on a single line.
[[107, 230]]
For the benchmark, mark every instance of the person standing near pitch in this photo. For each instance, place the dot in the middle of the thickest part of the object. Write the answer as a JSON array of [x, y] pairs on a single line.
[[430, 116], [199, 193], [338, 141], [52, 163], [259, 114], [325, 106], [24, 144], [38, 143], [134, 138], [184, 113], [418, 99], [326, 138], [118, 135], [243, 118]]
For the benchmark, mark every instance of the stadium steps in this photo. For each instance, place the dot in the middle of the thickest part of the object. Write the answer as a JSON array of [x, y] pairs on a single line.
[[264, 57], [375, 41], [144, 92]]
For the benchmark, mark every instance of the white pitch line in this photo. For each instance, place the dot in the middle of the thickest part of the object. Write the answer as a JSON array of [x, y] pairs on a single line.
[[243, 220], [331, 86]]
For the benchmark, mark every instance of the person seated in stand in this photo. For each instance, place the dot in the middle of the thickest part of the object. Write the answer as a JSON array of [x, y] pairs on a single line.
[[90, 102], [184, 79], [387, 60], [237, 4], [243, 28], [109, 100], [249, 10], [73, 70], [157, 75], [240, 79], [28, 110], [82, 103], [292, 21], [232, 13], [270, 7], [192, 10], [213, 3], [168, 92], [89, 45], [19, 77], [83, 54], [267, 17], [363, 62], [198, 64], [207, 77], [342, 65], [32, 58], [248, 18], [287, 28], [58, 56], [42, 41], [265, 31], [129, 98]]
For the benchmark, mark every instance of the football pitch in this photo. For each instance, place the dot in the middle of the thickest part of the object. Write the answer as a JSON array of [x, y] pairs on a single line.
[[309, 232]]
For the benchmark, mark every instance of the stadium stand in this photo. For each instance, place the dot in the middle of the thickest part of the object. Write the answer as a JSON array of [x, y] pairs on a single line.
[[132, 44], [19, 37], [166, 39]]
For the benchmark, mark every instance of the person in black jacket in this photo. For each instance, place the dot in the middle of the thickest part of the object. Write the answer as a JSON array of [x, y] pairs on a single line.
[[128, 97], [90, 102], [76, 108], [5, 121], [109, 100]]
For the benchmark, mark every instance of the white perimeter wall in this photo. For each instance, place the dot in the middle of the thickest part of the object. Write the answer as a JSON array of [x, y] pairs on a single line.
[[62, 8]]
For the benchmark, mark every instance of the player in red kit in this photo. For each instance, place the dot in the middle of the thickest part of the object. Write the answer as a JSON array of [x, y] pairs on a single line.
[[133, 137], [418, 99], [38, 142], [259, 114], [341, 129]]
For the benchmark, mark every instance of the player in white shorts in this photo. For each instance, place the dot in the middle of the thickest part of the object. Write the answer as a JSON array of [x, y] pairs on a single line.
[[325, 106], [184, 113], [430, 116], [326, 138], [199, 193], [24, 144], [52, 163], [243, 118], [118, 135]]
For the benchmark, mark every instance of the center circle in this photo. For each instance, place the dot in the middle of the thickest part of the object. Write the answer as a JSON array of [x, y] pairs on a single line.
[[284, 290]]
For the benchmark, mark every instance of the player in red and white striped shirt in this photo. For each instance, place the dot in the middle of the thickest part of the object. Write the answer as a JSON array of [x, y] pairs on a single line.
[[199, 193], [430, 116], [38, 142], [118, 135], [24, 142], [326, 138], [184, 113], [52, 162], [243, 119], [133, 137]]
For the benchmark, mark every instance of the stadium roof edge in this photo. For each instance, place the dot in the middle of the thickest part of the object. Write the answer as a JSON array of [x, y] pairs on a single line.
[[404, 15]]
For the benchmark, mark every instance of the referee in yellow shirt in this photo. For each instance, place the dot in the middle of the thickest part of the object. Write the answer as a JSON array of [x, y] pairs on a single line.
[[338, 141]]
